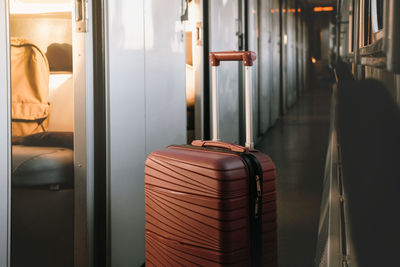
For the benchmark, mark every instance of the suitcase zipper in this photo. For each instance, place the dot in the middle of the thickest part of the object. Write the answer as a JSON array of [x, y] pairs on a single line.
[[255, 197], [257, 201]]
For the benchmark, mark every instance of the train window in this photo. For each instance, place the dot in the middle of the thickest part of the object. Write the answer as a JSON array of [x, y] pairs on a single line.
[[351, 26], [366, 21], [371, 22], [377, 15], [371, 32]]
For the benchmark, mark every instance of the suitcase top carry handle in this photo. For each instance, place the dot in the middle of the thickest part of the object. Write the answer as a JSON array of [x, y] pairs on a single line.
[[232, 147], [248, 57]]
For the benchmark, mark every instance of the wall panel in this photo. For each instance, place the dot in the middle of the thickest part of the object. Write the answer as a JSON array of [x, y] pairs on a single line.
[[147, 109], [275, 54], [266, 65], [253, 45], [291, 57], [164, 75], [285, 55], [127, 134], [223, 25]]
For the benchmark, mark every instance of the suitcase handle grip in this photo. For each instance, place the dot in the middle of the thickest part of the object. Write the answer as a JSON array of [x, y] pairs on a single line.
[[246, 56], [232, 147]]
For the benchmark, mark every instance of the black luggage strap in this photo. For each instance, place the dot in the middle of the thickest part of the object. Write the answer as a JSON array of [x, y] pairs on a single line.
[[255, 207]]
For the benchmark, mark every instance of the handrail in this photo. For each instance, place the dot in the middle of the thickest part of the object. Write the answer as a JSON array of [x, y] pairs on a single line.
[[332, 244]]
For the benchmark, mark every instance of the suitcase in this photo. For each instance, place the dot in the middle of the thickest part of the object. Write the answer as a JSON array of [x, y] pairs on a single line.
[[212, 203]]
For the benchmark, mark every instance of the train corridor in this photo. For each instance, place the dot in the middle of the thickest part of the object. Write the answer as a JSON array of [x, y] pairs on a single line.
[[298, 144]]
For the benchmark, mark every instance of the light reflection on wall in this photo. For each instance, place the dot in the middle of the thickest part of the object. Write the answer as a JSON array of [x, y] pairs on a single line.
[[149, 26], [61, 98], [35, 7], [285, 39], [176, 43], [132, 40], [56, 80]]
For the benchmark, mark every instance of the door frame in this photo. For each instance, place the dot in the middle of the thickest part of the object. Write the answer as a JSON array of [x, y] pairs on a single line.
[[101, 234], [5, 137], [83, 70], [92, 228], [83, 139], [198, 64], [206, 122]]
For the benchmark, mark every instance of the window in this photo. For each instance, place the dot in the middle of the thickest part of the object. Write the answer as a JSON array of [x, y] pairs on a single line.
[[351, 26], [366, 22], [377, 15], [371, 22]]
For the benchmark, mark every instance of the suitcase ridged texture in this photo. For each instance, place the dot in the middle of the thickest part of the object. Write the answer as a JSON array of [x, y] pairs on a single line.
[[197, 208]]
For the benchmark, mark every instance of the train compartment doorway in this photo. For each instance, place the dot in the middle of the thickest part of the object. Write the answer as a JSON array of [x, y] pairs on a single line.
[[51, 93]]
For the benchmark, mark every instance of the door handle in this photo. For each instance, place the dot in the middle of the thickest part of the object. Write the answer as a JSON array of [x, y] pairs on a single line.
[[239, 34], [199, 33], [185, 10], [81, 15]]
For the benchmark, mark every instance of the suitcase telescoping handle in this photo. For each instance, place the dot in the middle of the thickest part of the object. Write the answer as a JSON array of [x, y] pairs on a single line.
[[247, 57]]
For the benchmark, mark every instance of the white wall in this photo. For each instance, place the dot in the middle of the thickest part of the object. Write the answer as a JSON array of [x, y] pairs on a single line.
[[61, 98], [147, 109], [253, 33]]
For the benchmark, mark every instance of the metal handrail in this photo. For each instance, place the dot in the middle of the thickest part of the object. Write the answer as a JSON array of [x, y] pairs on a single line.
[[332, 244]]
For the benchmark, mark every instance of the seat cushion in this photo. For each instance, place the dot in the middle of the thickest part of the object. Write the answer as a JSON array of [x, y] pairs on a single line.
[[49, 139], [42, 166]]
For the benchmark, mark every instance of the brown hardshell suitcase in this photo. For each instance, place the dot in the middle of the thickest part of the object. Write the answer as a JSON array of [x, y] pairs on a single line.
[[211, 203]]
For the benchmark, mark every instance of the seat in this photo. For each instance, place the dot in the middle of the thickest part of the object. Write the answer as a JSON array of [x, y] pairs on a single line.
[[34, 166]]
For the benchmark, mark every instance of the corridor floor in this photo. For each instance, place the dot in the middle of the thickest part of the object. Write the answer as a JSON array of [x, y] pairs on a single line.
[[298, 145]]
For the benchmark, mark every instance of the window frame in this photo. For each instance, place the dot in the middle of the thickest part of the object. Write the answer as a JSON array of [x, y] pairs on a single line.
[[371, 44]]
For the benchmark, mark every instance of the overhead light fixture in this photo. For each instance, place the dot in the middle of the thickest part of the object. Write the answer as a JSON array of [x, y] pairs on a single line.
[[323, 8]]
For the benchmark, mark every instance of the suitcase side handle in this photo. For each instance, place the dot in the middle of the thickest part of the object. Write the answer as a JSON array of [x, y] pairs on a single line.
[[246, 56], [232, 147]]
